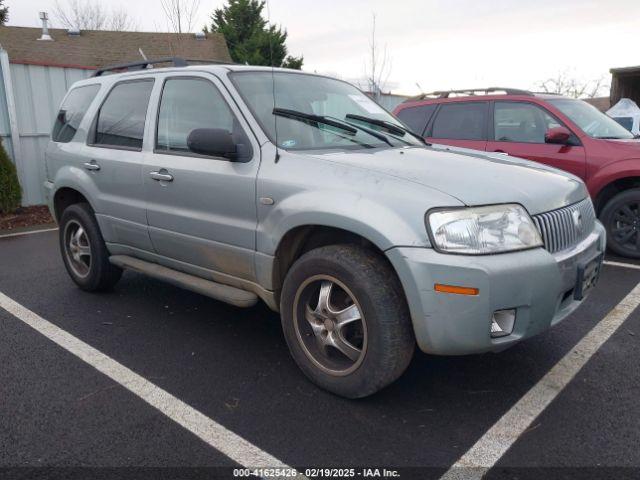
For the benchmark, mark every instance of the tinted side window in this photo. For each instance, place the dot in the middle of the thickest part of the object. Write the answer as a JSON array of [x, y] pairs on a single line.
[[626, 122], [121, 118], [521, 122], [187, 104], [461, 121], [72, 111], [416, 118]]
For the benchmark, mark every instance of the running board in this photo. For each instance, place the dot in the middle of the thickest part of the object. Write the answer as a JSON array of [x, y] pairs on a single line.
[[224, 293]]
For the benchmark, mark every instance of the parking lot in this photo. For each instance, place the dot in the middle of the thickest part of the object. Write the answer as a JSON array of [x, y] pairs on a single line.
[[200, 378]]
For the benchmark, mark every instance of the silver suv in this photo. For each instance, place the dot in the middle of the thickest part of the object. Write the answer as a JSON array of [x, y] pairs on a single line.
[[246, 183]]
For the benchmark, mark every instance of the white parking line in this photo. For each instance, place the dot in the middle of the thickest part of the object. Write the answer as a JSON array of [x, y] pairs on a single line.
[[499, 438], [621, 264], [233, 446], [31, 232]]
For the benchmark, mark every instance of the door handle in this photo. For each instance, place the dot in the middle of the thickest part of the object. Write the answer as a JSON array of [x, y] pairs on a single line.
[[501, 152], [161, 176], [92, 165]]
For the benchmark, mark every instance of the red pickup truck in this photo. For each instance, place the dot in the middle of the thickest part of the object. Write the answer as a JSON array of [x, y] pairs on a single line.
[[562, 132]]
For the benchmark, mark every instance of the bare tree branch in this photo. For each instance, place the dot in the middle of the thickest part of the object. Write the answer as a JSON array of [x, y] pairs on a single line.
[[91, 15], [378, 67], [564, 84], [120, 21], [181, 15]]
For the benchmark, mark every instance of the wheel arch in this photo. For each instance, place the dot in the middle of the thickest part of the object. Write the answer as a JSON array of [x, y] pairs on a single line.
[[312, 219], [72, 184], [303, 238], [65, 197], [614, 187]]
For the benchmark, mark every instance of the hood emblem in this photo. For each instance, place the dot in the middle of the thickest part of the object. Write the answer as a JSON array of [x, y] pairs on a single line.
[[577, 220]]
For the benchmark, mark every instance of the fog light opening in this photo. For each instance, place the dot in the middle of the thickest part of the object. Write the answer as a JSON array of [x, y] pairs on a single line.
[[502, 322]]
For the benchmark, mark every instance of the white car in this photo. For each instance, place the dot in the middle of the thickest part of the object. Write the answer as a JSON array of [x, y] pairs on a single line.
[[627, 113]]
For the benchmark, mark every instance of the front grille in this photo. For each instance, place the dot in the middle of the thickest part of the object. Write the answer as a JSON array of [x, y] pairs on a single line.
[[559, 229]]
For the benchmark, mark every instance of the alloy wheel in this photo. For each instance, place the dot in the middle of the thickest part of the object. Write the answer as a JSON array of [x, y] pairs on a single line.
[[625, 226], [330, 325], [77, 248]]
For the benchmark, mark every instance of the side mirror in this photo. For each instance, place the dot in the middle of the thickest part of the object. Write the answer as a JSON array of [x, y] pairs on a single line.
[[558, 136], [215, 142]]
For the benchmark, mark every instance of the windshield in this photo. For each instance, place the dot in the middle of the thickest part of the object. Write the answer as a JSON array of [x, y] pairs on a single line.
[[308, 95], [591, 120]]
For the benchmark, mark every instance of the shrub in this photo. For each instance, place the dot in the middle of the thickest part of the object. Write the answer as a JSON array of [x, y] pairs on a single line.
[[10, 191]]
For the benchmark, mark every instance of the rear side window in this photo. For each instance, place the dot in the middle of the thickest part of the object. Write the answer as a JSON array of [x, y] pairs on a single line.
[[120, 121], [461, 121], [72, 111], [626, 122], [416, 118], [188, 104]]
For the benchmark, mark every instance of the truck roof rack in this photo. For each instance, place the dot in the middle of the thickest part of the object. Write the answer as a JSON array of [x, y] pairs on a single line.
[[472, 91], [142, 64]]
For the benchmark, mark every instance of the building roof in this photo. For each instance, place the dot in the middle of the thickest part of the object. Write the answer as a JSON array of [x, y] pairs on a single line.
[[601, 103], [98, 48], [625, 70]]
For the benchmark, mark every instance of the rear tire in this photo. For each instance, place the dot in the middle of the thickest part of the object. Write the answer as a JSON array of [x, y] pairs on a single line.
[[621, 218], [84, 252], [346, 320]]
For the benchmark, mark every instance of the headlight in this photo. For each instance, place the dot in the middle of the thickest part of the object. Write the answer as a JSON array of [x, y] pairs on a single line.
[[483, 230]]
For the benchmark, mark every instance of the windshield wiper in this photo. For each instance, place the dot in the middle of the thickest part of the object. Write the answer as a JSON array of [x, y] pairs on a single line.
[[308, 117], [388, 126], [311, 118]]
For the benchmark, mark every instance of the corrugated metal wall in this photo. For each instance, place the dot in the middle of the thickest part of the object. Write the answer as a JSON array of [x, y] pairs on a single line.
[[390, 102], [37, 93]]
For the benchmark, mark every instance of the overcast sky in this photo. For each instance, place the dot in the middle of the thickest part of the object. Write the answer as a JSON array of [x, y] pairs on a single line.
[[436, 44]]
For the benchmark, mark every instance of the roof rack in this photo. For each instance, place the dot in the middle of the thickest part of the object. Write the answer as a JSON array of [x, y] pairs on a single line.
[[472, 92], [142, 64], [548, 93]]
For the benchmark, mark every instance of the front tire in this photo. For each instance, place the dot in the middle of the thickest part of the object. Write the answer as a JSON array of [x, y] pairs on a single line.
[[621, 218], [84, 252], [346, 320]]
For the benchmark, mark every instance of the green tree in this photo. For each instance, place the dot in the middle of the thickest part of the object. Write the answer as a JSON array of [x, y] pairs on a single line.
[[4, 13], [249, 36], [10, 192]]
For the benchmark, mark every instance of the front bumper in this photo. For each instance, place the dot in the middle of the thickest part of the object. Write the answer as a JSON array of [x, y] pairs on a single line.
[[538, 284]]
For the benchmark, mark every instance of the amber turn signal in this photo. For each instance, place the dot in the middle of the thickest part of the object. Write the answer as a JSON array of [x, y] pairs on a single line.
[[438, 287]]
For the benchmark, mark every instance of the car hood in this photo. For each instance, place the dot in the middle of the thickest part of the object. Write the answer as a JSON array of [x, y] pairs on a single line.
[[472, 177]]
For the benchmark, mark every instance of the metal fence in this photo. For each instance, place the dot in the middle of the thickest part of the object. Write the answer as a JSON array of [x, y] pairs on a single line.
[[29, 99]]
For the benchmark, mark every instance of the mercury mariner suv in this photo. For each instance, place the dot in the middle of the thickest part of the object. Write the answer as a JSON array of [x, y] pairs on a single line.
[[246, 183]]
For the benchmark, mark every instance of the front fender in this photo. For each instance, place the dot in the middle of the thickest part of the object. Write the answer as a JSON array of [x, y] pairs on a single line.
[[348, 211], [612, 172]]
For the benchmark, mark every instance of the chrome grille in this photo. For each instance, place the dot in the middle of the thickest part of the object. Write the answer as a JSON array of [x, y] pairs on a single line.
[[558, 228]]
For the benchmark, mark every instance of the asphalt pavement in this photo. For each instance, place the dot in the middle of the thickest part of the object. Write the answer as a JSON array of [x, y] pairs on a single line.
[[59, 416]]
